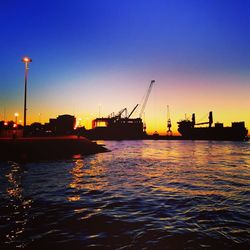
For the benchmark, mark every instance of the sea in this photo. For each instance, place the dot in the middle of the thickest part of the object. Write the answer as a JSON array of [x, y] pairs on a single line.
[[140, 195]]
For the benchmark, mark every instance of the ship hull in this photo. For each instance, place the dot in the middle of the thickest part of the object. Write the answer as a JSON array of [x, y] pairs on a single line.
[[112, 134], [213, 133]]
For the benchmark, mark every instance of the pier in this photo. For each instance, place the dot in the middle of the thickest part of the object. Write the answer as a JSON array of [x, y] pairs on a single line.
[[40, 148]]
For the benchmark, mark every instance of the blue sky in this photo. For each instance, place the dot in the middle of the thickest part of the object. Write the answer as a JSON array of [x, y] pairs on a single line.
[[99, 50]]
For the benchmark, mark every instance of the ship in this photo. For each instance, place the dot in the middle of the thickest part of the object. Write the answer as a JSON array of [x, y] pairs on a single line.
[[120, 126], [116, 127], [191, 130]]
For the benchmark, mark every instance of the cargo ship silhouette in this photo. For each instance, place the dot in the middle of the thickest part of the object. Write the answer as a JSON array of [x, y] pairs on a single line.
[[116, 127], [120, 126], [187, 128]]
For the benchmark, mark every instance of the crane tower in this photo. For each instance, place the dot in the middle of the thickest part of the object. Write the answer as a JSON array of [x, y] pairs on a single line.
[[169, 124]]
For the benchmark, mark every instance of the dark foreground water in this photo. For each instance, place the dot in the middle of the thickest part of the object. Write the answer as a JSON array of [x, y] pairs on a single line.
[[142, 195]]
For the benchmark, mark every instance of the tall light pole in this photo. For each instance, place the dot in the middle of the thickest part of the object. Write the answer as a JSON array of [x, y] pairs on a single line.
[[26, 61]]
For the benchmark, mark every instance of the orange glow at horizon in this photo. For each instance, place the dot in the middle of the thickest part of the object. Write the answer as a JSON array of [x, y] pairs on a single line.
[[185, 94]]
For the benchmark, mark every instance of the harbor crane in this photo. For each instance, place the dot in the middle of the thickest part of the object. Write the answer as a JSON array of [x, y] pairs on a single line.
[[133, 110], [145, 103], [119, 114], [124, 110], [146, 98], [169, 124]]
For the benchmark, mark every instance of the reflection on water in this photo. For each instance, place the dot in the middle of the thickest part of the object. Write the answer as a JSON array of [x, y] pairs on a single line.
[[142, 194], [93, 174], [17, 208]]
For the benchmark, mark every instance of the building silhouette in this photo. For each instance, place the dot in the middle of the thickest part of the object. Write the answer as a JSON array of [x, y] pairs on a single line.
[[62, 125]]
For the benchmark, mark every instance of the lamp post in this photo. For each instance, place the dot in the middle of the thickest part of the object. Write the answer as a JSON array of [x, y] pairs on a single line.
[[26, 61]]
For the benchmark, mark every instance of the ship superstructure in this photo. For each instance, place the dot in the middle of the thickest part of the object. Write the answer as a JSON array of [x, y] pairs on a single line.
[[119, 126], [189, 130]]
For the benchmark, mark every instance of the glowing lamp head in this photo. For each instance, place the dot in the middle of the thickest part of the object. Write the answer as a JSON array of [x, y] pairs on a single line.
[[26, 59], [16, 114]]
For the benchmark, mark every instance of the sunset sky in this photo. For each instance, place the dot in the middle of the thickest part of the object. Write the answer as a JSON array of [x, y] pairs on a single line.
[[99, 56]]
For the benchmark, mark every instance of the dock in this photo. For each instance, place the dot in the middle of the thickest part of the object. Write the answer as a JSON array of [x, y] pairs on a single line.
[[39, 148]]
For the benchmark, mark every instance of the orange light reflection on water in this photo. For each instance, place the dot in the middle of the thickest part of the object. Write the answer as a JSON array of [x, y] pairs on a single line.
[[87, 177], [19, 204], [163, 168]]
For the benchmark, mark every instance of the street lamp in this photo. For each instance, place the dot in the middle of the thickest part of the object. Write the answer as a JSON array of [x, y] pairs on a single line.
[[26, 61]]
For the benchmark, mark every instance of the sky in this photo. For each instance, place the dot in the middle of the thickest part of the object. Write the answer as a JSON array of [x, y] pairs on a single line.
[[94, 57]]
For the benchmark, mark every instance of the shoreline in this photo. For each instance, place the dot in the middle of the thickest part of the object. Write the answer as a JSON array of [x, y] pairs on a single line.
[[27, 148]]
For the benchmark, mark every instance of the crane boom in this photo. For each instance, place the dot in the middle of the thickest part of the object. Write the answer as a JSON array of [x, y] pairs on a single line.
[[133, 110], [146, 98], [121, 112]]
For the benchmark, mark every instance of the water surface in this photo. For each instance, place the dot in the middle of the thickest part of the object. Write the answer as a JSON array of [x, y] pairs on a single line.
[[141, 195]]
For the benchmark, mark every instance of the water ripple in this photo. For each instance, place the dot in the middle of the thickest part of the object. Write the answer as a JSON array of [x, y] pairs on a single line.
[[141, 195]]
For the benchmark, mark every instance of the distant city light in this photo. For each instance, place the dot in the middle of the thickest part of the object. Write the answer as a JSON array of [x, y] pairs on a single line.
[[5, 123]]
